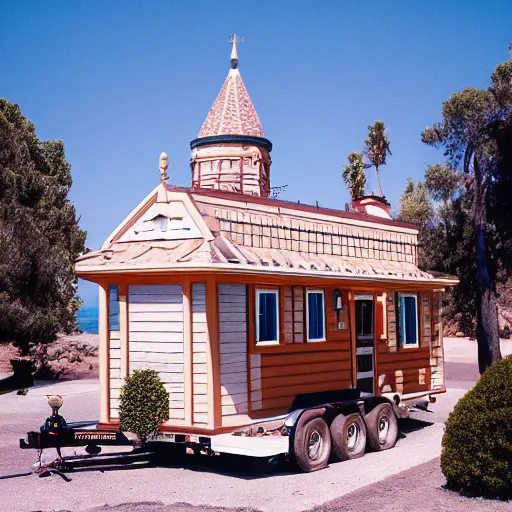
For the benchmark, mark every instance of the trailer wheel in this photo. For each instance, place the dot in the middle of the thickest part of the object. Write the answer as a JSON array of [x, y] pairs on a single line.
[[312, 445], [348, 435], [382, 427]]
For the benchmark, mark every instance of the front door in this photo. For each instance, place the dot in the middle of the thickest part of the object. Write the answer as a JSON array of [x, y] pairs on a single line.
[[365, 343]]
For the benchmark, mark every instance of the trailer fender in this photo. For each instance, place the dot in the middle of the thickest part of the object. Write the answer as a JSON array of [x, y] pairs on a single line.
[[303, 415], [373, 401]]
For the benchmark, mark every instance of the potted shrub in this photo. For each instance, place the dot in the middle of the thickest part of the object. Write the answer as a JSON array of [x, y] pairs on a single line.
[[144, 404]]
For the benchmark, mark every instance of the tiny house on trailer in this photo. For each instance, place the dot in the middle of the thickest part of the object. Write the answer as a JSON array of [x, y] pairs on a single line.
[[269, 322]]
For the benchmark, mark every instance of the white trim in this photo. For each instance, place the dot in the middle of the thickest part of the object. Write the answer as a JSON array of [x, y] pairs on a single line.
[[149, 199], [360, 296], [366, 375], [402, 317], [276, 293], [321, 292]]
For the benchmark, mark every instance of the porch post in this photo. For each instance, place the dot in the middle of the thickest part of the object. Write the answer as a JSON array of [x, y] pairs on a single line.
[[213, 355], [104, 349]]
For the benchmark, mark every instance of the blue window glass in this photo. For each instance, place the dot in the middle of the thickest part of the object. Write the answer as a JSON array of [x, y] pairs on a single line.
[[268, 316], [113, 307], [409, 320], [316, 318]]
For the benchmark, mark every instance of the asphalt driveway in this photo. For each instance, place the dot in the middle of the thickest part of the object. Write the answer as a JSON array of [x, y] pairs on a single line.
[[234, 483]]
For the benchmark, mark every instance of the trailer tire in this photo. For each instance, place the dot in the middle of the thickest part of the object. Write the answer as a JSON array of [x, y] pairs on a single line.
[[382, 427], [348, 435], [312, 444]]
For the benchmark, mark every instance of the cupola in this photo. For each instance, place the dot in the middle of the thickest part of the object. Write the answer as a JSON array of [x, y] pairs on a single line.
[[231, 152]]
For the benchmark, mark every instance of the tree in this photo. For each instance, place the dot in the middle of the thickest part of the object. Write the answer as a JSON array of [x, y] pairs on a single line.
[[474, 126], [415, 204], [441, 208], [354, 176], [39, 235], [377, 148]]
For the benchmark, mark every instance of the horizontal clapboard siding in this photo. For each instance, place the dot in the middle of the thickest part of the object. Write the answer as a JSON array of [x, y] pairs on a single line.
[[277, 378], [155, 314], [233, 348], [115, 372], [199, 359]]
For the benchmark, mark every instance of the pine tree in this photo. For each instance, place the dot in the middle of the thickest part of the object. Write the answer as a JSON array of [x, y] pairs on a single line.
[[39, 235]]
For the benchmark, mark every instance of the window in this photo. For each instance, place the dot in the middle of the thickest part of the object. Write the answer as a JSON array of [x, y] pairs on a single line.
[[408, 319], [113, 307], [267, 317], [315, 320]]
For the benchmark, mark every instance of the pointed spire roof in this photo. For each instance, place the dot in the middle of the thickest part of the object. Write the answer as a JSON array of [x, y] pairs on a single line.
[[232, 112]]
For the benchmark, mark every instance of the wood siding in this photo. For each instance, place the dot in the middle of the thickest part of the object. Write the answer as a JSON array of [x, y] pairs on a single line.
[[116, 380], [437, 356], [156, 338], [233, 349], [276, 377], [406, 369], [199, 355]]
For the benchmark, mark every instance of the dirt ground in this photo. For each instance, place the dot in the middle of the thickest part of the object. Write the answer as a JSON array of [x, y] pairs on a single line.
[[68, 345]]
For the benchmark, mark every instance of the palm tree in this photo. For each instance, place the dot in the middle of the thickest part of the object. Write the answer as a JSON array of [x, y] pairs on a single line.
[[377, 148], [354, 176]]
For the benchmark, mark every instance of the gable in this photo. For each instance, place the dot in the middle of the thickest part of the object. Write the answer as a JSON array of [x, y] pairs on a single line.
[[173, 222], [162, 215]]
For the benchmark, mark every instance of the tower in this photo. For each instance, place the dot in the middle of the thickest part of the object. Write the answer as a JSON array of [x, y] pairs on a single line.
[[231, 152]]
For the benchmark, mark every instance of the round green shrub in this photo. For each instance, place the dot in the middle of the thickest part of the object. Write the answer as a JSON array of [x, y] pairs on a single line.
[[477, 445], [144, 404]]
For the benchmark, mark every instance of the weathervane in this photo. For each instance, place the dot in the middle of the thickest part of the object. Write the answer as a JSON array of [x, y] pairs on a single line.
[[233, 39]]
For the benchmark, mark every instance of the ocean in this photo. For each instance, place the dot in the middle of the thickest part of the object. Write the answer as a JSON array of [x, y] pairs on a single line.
[[87, 318]]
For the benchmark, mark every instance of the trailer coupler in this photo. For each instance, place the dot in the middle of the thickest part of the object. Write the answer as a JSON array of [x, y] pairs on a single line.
[[56, 433]]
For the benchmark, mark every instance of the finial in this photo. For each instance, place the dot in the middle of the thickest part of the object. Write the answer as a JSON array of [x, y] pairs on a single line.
[[234, 54], [163, 164]]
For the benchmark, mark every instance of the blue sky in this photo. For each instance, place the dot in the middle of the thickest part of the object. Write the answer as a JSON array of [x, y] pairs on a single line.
[[120, 82]]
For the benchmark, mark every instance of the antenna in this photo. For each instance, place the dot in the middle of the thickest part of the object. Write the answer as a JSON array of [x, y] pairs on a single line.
[[275, 192]]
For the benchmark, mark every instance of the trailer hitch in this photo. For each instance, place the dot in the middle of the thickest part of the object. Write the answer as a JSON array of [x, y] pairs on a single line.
[[57, 433]]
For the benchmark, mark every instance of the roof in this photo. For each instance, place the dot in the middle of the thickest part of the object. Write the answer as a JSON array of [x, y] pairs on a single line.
[[232, 112], [224, 254], [180, 230]]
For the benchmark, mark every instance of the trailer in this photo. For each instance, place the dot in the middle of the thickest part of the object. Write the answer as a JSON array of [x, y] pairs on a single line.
[[321, 427], [256, 311]]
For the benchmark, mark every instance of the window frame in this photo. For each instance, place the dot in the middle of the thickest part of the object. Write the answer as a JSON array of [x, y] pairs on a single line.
[[267, 343], [402, 319], [315, 291]]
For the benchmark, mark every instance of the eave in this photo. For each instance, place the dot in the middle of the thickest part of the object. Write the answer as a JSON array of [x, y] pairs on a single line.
[[94, 272]]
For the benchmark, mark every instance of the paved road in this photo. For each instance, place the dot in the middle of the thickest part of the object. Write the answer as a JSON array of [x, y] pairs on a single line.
[[235, 484]]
